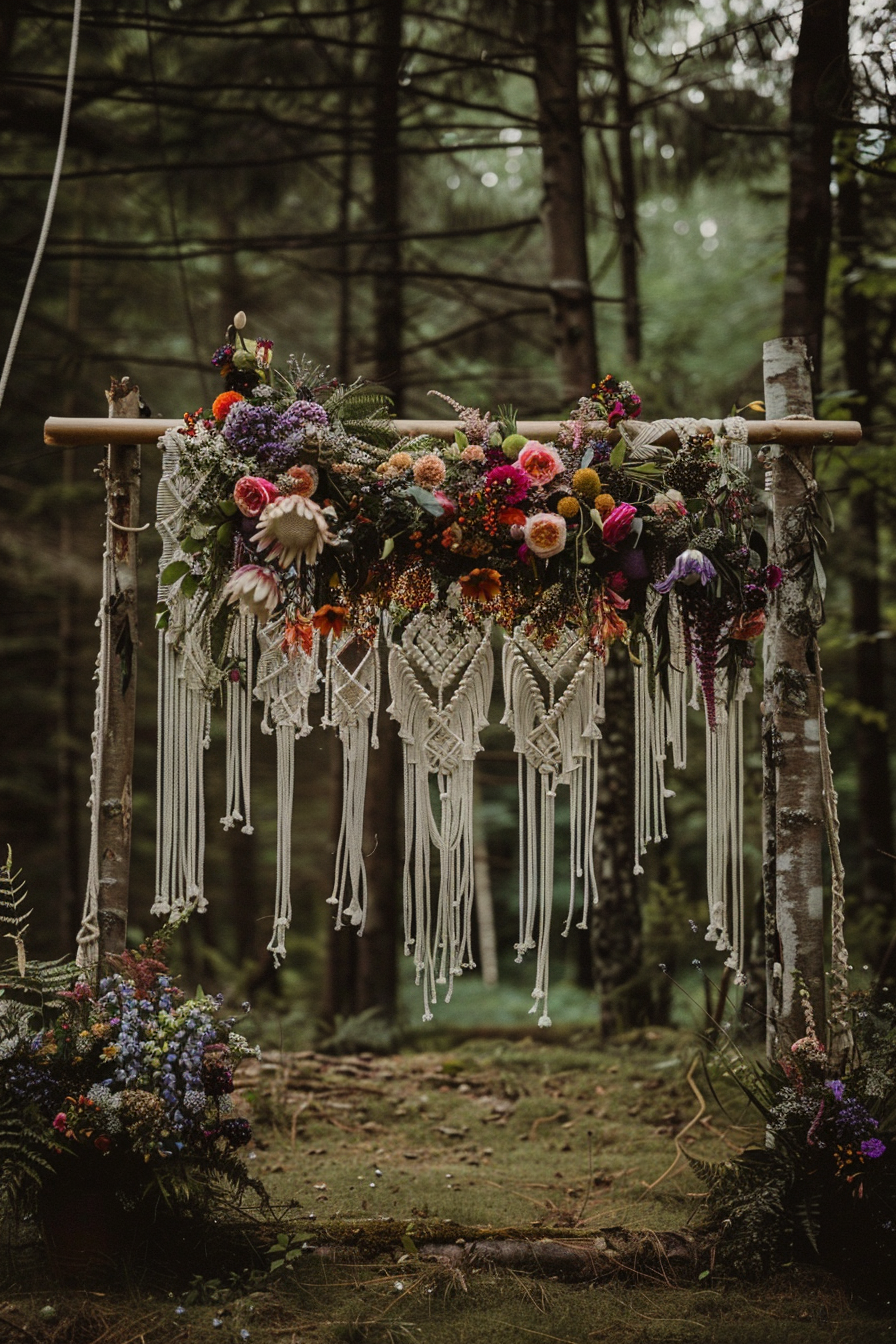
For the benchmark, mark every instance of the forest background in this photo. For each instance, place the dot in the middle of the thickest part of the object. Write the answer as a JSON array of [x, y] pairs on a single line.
[[502, 202]]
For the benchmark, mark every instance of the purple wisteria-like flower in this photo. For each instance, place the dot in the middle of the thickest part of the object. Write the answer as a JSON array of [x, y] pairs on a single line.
[[837, 1087], [690, 567], [873, 1148]]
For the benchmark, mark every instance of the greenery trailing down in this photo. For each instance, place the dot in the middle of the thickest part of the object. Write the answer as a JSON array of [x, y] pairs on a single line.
[[122, 1086], [823, 1185]]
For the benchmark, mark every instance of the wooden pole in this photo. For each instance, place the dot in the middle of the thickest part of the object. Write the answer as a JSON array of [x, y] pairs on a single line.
[[121, 472], [73, 430], [793, 806]]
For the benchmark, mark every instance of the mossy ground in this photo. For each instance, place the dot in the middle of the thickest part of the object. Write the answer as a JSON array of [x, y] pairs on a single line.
[[529, 1137]]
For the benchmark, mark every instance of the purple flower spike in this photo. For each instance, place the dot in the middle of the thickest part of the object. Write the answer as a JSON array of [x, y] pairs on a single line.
[[873, 1148], [836, 1087], [690, 567]]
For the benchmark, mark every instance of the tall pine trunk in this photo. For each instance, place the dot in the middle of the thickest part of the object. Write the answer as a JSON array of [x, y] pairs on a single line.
[[616, 919], [563, 204], [627, 195], [875, 802], [373, 964], [818, 95]]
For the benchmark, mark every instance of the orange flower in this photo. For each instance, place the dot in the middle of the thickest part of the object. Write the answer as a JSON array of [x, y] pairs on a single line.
[[330, 620], [510, 517], [222, 404], [608, 625], [298, 634], [480, 585]]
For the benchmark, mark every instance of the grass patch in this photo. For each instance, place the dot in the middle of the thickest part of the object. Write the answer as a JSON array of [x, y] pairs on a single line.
[[371, 1158]]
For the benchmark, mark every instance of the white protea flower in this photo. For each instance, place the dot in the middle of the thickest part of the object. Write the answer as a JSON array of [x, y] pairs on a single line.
[[291, 527], [255, 588]]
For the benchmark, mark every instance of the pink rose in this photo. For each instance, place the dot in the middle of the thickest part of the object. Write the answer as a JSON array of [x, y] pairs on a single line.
[[540, 461], [545, 534], [61, 1122], [253, 493], [618, 524], [449, 508]]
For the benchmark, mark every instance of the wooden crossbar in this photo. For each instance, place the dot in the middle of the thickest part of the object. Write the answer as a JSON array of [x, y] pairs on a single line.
[[72, 431]]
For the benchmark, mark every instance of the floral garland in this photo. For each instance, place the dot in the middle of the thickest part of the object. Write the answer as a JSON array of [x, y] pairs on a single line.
[[307, 506]]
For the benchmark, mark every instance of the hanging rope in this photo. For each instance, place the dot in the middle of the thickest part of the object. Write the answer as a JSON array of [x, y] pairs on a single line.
[[51, 201]]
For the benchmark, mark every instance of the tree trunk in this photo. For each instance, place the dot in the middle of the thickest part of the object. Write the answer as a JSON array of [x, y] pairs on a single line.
[[792, 721], [616, 915], [378, 948], [627, 198], [563, 205], [346, 174], [819, 88], [385, 167], [875, 804], [485, 905], [114, 794]]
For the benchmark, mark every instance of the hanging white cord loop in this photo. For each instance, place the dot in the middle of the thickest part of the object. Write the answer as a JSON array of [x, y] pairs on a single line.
[[51, 201]]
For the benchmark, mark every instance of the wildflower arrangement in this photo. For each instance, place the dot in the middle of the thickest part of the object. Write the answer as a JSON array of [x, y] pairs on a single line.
[[127, 1083], [823, 1181], [303, 503]]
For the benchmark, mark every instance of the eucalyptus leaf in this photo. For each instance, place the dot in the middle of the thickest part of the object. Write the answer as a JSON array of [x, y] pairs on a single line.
[[388, 548], [171, 573], [586, 557], [461, 439], [618, 454], [637, 528], [588, 456], [426, 499]]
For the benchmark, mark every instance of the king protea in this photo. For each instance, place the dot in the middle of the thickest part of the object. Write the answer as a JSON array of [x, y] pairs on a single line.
[[291, 527], [255, 588]]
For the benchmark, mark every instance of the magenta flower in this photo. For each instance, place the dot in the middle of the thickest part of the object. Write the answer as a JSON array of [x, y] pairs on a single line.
[[873, 1148], [61, 1122], [618, 524], [773, 577], [510, 479], [615, 414], [690, 567]]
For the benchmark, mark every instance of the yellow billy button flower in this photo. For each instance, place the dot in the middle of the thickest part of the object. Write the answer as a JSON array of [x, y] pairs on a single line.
[[568, 507]]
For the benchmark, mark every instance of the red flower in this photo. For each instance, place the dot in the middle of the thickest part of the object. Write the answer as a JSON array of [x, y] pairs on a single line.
[[253, 493], [222, 404], [509, 517], [749, 625], [618, 524]]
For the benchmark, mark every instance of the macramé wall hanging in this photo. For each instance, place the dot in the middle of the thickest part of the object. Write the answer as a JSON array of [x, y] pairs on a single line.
[[300, 533]]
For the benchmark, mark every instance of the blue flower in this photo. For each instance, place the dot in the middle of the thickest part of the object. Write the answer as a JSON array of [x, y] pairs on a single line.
[[690, 567]]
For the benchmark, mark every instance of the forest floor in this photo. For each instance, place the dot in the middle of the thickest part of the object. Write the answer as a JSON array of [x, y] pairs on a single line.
[[561, 1149]]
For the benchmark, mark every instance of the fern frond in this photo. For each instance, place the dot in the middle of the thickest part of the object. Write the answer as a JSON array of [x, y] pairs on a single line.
[[12, 897]]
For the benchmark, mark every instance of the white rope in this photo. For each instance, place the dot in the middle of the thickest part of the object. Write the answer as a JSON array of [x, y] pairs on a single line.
[[51, 200], [89, 933], [238, 752], [351, 704], [440, 740], [556, 739], [286, 758]]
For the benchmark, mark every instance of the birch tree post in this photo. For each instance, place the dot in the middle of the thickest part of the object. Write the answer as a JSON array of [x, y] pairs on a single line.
[[793, 812], [121, 472]]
